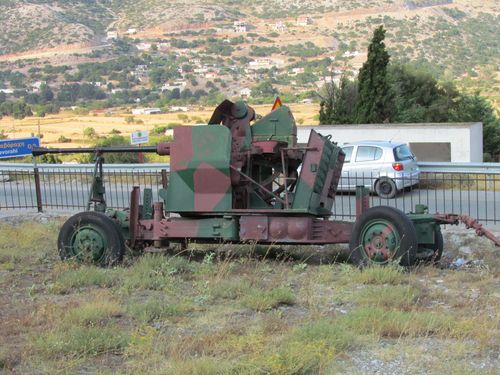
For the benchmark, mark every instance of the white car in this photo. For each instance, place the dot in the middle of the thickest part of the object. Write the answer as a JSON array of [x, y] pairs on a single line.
[[384, 167]]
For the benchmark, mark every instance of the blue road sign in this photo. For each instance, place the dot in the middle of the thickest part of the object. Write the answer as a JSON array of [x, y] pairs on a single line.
[[13, 148]]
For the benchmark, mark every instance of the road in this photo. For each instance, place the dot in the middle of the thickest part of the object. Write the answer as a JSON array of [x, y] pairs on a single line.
[[483, 205]]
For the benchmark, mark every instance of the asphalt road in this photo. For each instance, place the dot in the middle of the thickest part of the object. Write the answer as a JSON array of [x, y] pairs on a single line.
[[483, 205]]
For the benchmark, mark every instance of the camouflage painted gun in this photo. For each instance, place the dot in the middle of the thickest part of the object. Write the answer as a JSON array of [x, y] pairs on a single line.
[[238, 179]]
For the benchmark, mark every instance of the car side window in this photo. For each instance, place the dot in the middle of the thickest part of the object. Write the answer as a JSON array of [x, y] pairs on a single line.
[[348, 153], [368, 153]]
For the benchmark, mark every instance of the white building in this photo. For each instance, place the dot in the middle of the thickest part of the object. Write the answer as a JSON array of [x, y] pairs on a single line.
[[279, 26], [245, 93], [304, 21], [455, 142], [240, 27], [181, 85], [112, 35], [146, 111]]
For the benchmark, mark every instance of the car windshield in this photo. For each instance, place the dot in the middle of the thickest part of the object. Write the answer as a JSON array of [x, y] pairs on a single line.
[[403, 152]]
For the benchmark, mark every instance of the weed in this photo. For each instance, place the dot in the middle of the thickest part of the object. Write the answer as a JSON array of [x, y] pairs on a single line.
[[260, 300], [31, 241], [153, 309], [391, 274], [230, 289], [69, 276], [395, 324], [78, 340], [200, 366], [94, 313], [309, 349], [155, 272], [394, 296]]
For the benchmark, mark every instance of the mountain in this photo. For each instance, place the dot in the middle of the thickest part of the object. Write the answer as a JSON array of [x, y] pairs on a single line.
[[458, 39]]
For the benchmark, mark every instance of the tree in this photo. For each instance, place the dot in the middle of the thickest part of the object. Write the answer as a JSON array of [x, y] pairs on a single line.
[[46, 94], [477, 108], [419, 97], [374, 100], [339, 103], [264, 89]]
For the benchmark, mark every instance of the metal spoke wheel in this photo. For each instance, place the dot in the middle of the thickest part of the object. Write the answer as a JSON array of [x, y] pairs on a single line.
[[382, 235], [386, 188], [91, 237]]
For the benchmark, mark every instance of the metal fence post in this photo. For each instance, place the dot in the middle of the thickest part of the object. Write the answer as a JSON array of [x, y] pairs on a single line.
[[38, 190], [164, 178]]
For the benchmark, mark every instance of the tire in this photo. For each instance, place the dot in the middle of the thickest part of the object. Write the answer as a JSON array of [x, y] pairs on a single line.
[[91, 237], [437, 248], [386, 188], [382, 235]]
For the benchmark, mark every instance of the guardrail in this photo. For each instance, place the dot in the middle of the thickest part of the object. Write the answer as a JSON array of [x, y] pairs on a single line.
[[462, 188]]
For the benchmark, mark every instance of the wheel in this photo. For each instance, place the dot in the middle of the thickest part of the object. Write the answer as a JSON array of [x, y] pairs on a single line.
[[91, 237], [432, 252], [383, 234], [386, 188]]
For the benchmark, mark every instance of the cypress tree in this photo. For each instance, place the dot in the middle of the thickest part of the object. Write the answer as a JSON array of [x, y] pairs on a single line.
[[374, 102]]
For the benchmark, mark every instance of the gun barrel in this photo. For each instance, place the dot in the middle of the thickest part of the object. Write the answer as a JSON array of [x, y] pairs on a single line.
[[162, 148]]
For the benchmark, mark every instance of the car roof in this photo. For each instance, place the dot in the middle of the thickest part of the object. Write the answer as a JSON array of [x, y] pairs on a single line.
[[390, 144]]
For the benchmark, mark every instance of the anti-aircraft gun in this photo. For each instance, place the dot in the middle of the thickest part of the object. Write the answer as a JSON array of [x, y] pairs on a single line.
[[239, 179]]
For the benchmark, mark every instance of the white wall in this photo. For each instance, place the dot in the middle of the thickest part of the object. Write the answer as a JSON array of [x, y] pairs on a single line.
[[466, 139]]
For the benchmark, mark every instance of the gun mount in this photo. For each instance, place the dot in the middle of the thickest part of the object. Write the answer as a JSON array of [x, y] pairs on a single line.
[[238, 179]]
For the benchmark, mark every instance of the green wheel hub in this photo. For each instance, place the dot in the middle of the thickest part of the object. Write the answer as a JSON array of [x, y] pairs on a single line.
[[380, 240], [89, 244]]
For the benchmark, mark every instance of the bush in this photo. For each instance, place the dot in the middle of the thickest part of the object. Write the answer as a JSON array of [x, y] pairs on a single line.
[[63, 139], [89, 132]]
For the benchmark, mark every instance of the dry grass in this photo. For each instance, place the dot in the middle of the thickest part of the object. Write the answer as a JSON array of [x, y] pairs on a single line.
[[233, 313], [71, 125]]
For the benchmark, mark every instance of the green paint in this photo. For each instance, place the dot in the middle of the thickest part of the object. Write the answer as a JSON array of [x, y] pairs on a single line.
[[225, 228], [279, 125], [311, 198], [88, 243], [147, 204], [211, 145]]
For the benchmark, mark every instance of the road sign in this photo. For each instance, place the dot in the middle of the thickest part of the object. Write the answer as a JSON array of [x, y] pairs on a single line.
[[137, 138], [14, 148]]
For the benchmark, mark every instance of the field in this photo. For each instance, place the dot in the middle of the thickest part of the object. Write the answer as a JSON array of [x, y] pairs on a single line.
[[71, 125], [244, 310]]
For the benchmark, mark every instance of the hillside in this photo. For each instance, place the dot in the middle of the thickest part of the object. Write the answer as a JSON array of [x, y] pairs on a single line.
[[297, 44]]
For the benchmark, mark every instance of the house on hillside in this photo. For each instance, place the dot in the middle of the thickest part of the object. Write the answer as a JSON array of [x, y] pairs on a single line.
[[180, 85], [143, 46], [304, 21], [279, 26], [240, 27], [146, 111], [110, 35], [245, 93]]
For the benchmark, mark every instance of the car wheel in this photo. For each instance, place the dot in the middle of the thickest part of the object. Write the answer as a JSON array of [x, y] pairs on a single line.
[[386, 188], [381, 235], [91, 237]]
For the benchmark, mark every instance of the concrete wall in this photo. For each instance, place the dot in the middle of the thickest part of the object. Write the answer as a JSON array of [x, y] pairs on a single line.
[[466, 139]]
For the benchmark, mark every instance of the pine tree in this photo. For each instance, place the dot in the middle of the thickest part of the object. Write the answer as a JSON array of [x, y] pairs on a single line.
[[374, 102]]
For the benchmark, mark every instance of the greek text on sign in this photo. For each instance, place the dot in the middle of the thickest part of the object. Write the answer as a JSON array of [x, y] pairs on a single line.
[[137, 138], [13, 148]]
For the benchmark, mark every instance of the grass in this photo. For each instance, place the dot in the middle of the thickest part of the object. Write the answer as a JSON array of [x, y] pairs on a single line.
[[262, 300], [229, 311], [154, 309]]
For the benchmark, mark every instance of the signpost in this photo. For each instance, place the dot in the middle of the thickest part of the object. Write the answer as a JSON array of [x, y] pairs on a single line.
[[14, 148], [138, 138]]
